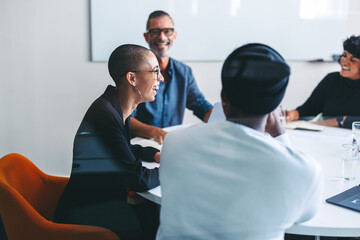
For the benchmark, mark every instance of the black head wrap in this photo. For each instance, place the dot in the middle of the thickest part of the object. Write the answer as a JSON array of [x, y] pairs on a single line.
[[254, 78], [352, 45]]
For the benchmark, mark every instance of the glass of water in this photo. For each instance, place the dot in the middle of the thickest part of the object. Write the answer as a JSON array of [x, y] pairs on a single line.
[[356, 133], [349, 161]]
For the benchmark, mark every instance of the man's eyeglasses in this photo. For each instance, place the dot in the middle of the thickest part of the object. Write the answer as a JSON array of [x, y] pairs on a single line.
[[156, 70], [155, 32]]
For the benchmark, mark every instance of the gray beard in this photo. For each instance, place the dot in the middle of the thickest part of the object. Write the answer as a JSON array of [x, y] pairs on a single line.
[[160, 54]]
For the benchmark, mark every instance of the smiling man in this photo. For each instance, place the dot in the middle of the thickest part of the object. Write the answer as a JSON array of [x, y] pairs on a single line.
[[177, 92]]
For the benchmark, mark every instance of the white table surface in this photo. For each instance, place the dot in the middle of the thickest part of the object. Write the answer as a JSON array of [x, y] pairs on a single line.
[[325, 146], [331, 220]]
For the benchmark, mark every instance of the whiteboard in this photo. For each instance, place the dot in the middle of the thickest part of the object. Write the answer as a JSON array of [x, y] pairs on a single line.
[[209, 30]]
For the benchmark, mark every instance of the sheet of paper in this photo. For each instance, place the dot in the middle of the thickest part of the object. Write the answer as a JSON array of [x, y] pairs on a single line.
[[146, 143], [304, 125]]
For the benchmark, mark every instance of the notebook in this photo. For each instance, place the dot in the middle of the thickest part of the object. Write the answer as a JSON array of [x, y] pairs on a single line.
[[349, 199], [303, 125]]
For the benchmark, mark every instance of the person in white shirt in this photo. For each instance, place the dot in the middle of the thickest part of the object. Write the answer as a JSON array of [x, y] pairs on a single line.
[[239, 178]]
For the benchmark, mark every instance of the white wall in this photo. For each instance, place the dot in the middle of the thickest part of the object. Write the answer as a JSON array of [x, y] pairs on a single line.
[[47, 81]]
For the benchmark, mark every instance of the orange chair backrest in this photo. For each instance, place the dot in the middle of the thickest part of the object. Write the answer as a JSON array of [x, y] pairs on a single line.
[[40, 190]]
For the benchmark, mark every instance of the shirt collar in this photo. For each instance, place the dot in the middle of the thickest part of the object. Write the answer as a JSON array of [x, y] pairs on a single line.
[[350, 82], [171, 67], [111, 95]]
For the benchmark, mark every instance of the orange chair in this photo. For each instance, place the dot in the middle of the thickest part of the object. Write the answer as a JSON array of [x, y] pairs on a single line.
[[28, 199]]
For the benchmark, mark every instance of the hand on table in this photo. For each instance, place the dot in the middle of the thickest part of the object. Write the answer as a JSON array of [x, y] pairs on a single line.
[[157, 157], [292, 115], [158, 134], [143, 130]]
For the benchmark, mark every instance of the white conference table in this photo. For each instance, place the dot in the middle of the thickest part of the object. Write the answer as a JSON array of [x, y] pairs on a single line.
[[325, 146]]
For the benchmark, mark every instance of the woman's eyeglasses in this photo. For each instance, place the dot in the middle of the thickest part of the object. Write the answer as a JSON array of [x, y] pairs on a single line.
[[156, 70]]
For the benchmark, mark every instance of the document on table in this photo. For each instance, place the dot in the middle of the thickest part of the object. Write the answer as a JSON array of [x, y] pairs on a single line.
[[303, 125], [146, 143]]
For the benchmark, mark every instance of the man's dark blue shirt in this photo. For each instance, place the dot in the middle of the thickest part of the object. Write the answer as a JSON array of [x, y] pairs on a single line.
[[171, 99]]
